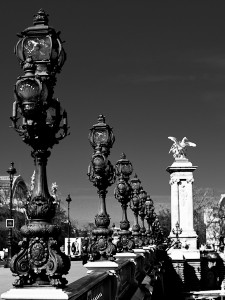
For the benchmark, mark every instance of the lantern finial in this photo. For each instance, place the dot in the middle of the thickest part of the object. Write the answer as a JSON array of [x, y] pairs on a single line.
[[123, 156], [40, 18], [101, 119]]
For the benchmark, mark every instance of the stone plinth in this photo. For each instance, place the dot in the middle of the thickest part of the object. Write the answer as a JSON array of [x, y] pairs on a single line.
[[100, 266], [181, 181], [187, 264], [139, 251], [35, 293], [125, 256]]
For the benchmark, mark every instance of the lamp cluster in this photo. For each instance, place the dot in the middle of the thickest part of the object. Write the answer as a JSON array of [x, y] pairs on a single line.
[[38, 118], [127, 191]]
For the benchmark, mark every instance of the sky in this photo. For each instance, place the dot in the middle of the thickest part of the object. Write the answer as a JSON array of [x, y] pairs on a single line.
[[153, 68]]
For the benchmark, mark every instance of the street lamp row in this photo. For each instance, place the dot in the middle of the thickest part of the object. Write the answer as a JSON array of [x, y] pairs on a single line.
[[38, 118], [127, 191]]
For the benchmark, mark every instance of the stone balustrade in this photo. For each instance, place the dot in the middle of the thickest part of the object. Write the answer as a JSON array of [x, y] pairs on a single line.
[[132, 277]]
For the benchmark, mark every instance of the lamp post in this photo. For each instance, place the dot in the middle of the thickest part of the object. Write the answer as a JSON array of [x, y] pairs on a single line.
[[149, 210], [142, 213], [38, 118], [123, 193], [177, 231], [101, 173], [68, 200], [11, 171], [135, 207], [157, 231]]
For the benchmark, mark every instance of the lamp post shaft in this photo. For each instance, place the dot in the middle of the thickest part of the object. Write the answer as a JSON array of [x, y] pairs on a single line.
[[11, 171], [68, 229], [10, 229]]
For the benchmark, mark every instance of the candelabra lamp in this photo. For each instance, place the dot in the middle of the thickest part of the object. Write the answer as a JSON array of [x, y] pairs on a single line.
[[177, 231], [38, 118], [142, 214], [102, 174], [123, 193], [149, 216], [135, 207]]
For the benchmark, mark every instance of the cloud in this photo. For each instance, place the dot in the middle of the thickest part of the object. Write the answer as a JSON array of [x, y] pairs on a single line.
[[216, 61], [137, 78]]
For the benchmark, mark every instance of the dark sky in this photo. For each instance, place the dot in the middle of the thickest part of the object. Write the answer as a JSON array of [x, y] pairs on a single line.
[[153, 68]]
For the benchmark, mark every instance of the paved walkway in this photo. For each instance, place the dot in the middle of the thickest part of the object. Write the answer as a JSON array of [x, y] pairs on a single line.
[[6, 279]]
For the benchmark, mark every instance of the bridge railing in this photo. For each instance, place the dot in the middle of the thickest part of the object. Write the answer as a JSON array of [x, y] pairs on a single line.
[[120, 284]]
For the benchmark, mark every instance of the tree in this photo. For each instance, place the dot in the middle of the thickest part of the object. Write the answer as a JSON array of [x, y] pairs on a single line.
[[164, 216], [205, 201]]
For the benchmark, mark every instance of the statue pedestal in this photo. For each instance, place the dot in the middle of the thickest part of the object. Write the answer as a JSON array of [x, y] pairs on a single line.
[[181, 180], [36, 293], [187, 264], [101, 266]]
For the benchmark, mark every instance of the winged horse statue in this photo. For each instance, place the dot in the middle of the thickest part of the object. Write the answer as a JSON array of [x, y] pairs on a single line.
[[179, 147]]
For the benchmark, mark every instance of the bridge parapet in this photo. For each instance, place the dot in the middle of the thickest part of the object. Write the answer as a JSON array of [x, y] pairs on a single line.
[[120, 284]]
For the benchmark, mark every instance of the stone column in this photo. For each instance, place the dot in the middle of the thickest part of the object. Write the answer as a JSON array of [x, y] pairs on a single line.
[[181, 180]]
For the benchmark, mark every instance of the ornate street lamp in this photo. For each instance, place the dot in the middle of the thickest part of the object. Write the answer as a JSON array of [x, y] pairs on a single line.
[[177, 231], [38, 118], [135, 207], [123, 193], [149, 216], [142, 213], [11, 171], [68, 200], [157, 232], [102, 174]]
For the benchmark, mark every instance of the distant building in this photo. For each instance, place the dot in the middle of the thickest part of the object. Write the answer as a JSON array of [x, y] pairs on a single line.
[[19, 192]]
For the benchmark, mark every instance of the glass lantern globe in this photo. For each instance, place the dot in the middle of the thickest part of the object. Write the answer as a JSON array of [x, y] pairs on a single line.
[[29, 92], [42, 43], [124, 167], [101, 134], [135, 183]]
